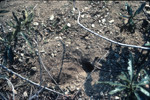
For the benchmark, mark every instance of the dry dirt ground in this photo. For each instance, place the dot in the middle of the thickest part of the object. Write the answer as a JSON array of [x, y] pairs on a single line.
[[73, 49]]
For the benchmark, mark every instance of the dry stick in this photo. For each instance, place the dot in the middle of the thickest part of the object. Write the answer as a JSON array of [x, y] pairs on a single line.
[[29, 81], [3, 97], [35, 95], [61, 67], [41, 62], [88, 76], [9, 84], [105, 38]]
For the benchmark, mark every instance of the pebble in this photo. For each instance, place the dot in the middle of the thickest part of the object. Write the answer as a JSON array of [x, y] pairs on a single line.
[[15, 92], [20, 60], [86, 8], [74, 9], [117, 98], [34, 68], [35, 23], [52, 54], [111, 21], [68, 24], [51, 17], [86, 37], [99, 21], [25, 94], [93, 25], [103, 20], [58, 37], [82, 16], [147, 7], [22, 54]]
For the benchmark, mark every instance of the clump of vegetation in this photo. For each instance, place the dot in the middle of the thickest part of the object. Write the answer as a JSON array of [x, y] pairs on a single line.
[[131, 83], [20, 26], [131, 15]]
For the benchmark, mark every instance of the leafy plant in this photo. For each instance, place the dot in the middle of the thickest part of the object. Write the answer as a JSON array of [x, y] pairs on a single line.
[[131, 16], [131, 83], [20, 25]]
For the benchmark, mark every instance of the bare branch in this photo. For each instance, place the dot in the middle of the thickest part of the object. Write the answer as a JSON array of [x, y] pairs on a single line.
[[29, 81]]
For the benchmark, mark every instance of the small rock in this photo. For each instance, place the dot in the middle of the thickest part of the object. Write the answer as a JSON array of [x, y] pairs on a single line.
[[22, 54], [147, 86], [111, 21], [34, 68], [78, 88], [148, 12], [93, 25], [44, 2], [51, 17], [14, 76], [20, 60], [103, 20], [68, 24], [117, 98], [36, 23], [15, 92], [74, 9], [147, 7], [86, 37], [52, 54], [25, 94], [86, 8], [82, 16], [99, 21], [125, 21], [58, 38]]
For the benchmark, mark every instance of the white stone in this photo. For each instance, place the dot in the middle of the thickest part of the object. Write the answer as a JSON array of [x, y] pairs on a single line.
[[111, 21], [103, 20], [36, 23], [68, 24], [25, 94], [51, 17], [117, 98], [82, 16], [93, 25]]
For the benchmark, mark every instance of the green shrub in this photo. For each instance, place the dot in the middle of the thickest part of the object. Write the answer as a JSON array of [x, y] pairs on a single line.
[[131, 15], [20, 26], [131, 83]]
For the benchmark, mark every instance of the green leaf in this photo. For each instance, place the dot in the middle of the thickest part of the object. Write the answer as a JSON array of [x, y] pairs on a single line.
[[137, 96], [15, 17], [25, 37], [124, 77], [130, 67], [140, 8], [30, 17], [144, 81], [129, 9], [5, 56], [10, 55], [117, 89], [11, 24], [144, 91]]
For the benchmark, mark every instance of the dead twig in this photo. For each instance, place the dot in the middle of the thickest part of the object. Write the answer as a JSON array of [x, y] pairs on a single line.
[[61, 67], [29, 81]]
